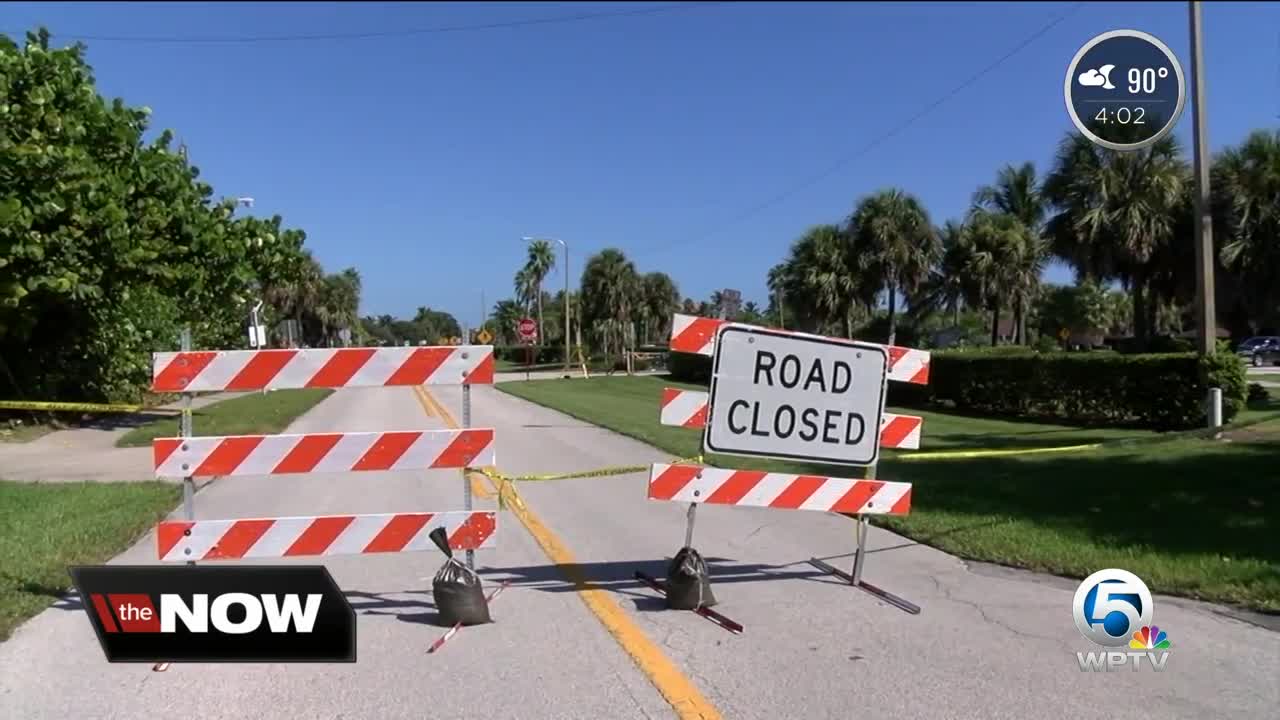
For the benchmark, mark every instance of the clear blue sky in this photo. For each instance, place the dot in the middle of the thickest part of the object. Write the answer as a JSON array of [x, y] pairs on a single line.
[[421, 159]]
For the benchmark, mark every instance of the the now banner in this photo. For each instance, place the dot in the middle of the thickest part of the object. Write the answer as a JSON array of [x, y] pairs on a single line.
[[217, 614]]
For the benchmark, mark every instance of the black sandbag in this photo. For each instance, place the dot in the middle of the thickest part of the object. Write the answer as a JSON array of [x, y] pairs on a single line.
[[459, 596], [456, 589], [688, 582]]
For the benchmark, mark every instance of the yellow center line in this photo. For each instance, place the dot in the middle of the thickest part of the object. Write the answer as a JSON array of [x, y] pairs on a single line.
[[688, 702], [429, 405]]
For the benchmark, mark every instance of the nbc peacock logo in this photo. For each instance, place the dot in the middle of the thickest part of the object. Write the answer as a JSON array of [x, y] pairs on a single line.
[[1113, 608], [1150, 638]]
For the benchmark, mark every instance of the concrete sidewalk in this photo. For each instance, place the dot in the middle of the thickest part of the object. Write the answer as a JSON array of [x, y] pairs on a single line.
[[89, 452]]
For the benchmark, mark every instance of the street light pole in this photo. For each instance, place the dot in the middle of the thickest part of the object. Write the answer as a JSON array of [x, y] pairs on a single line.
[[566, 306]]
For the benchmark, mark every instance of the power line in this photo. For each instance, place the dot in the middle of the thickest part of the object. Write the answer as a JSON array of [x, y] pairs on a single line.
[[873, 144], [555, 19]]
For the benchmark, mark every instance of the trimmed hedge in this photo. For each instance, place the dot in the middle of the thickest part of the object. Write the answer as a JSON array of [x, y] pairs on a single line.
[[542, 354], [1163, 392]]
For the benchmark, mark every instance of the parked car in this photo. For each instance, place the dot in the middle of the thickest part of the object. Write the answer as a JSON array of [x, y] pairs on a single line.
[[1261, 350]]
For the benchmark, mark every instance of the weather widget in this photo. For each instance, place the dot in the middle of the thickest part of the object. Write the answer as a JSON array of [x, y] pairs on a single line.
[[1125, 89]]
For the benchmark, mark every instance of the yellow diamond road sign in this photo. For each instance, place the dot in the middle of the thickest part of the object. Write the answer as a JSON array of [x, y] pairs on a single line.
[[483, 337]]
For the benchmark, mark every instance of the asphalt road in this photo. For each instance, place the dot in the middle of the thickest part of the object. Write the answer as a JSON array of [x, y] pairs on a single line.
[[987, 645]]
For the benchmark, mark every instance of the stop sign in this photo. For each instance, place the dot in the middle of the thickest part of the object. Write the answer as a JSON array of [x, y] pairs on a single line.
[[528, 329]]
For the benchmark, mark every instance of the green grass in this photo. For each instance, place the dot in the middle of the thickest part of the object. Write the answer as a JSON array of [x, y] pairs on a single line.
[[251, 414], [1190, 516], [45, 527], [24, 431]]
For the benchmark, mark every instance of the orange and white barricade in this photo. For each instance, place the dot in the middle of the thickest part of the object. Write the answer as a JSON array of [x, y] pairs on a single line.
[[855, 497], [189, 456]]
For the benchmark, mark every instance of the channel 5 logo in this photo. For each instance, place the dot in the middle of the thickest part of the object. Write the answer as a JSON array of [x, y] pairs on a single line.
[[1113, 608]]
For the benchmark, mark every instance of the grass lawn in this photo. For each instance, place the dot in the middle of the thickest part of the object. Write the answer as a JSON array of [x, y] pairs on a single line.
[[45, 527], [249, 414], [1189, 516]]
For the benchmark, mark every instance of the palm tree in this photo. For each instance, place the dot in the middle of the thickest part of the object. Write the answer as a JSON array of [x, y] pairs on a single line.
[[506, 315], [778, 308], [340, 302], [949, 286], [1115, 211], [661, 301], [297, 294], [541, 259], [1005, 260], [894, 244], [1015, 192], [1246, 186], [610, 297], [820, 287], [526, 288]]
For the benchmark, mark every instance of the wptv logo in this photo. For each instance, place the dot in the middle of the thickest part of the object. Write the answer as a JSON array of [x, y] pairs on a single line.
[[1113, 609], [217, 614]]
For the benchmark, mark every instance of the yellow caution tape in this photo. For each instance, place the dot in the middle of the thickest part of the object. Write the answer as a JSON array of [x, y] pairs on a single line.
[[69, 407], [959, 454], [503, 480]]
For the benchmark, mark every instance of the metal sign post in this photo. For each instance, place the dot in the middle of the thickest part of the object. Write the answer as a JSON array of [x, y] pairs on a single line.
[[466, 479], [188, 482]]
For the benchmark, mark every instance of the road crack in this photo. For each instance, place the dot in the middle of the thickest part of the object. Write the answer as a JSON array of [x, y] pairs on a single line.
[[947, 594]]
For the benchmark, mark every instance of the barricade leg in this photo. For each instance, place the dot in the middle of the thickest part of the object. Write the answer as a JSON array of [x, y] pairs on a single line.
[[854, 578], [859, 562], [661, 586]]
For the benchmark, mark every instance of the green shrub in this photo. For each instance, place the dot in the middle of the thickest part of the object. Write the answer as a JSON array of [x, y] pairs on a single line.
[[1225, 370], [541, 354], [1164, 391], [1158, 344], [1046, 344], [1160, 391], [1258, 395], [690, 368]]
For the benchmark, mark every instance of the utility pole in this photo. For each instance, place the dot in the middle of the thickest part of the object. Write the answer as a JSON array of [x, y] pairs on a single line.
[[1207, 326], [1208, 331]]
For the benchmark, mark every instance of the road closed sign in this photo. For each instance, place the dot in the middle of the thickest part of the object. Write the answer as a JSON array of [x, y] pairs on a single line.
[[798, 397]]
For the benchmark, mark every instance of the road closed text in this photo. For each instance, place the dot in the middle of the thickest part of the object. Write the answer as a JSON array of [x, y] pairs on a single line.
[[797, 397], [827, 425]]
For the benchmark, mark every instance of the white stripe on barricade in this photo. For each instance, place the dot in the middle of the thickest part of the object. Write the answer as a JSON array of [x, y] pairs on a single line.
[[323, 452]]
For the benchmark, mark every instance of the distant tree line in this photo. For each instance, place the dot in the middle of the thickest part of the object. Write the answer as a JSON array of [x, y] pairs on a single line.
[[1116, 218], [427, 327]]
